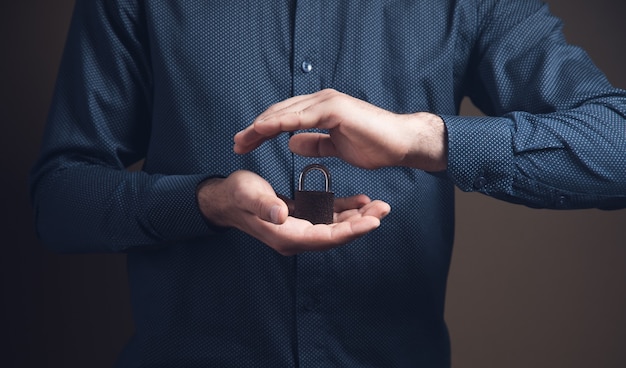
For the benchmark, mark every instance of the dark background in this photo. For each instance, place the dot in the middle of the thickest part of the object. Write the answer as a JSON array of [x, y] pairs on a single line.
[[528, 288]]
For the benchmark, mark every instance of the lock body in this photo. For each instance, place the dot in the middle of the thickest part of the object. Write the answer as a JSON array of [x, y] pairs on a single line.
[[316, 207]]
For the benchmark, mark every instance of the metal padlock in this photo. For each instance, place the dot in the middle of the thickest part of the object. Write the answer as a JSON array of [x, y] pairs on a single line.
[[316, 207]]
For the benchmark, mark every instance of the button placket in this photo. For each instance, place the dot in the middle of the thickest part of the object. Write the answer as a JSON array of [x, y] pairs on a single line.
[[309, 266], [307, 33]]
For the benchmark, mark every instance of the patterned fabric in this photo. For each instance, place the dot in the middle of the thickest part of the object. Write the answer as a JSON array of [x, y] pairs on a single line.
[[173, 81]]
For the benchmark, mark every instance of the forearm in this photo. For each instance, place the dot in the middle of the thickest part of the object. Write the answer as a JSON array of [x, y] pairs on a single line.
[[90, 208], [555, 131], [567, 159]]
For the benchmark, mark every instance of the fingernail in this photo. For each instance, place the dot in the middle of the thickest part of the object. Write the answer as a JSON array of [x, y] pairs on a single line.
[[274, 212]]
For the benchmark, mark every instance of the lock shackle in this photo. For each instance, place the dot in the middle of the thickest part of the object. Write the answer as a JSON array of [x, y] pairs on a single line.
[[310, 168]]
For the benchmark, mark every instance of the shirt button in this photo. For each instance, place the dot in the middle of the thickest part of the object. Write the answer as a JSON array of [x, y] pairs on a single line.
[[307, 67], [480, 182]]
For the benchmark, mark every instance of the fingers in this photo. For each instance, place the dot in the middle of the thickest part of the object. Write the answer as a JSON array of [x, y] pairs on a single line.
[[358, 228], [285, 104], [340, 233], [296, 113], [376, 209], [355, 217], [349, 203], [362, 205], [247, 202], [313, 145], [249, 139], [296, 236]]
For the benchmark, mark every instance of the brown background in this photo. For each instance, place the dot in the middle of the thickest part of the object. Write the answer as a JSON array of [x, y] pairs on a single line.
[[528, 288]]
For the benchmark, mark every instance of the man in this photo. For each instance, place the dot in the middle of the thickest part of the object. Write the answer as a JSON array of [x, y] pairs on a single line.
[[220, 274]]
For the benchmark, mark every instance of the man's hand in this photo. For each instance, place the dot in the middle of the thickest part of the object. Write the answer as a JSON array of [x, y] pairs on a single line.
[[247, 202], [359, 133]]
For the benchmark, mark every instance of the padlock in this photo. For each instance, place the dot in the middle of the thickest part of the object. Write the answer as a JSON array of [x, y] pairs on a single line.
[[316, 207]]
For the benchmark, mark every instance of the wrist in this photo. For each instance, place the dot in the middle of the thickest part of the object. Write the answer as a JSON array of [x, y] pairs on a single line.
[[210, 195], [426, 143]]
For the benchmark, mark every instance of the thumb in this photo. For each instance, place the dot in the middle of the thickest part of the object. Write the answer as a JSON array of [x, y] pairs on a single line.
[[312, 145], [272, 209]]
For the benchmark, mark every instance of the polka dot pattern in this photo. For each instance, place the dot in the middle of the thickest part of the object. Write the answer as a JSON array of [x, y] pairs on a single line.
[[173, 81], [559, 126]]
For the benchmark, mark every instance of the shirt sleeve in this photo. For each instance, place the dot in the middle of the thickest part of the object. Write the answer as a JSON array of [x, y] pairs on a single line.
[[555, 131], [99, 123]]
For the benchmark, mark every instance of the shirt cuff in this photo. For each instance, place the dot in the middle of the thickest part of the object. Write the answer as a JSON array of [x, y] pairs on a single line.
[[480, 153], [172, 208]]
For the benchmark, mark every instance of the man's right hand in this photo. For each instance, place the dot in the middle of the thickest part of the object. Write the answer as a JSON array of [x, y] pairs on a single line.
[[247, 202]]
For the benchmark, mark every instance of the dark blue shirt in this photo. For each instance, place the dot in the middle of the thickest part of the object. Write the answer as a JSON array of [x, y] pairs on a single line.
[[173, 81]]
